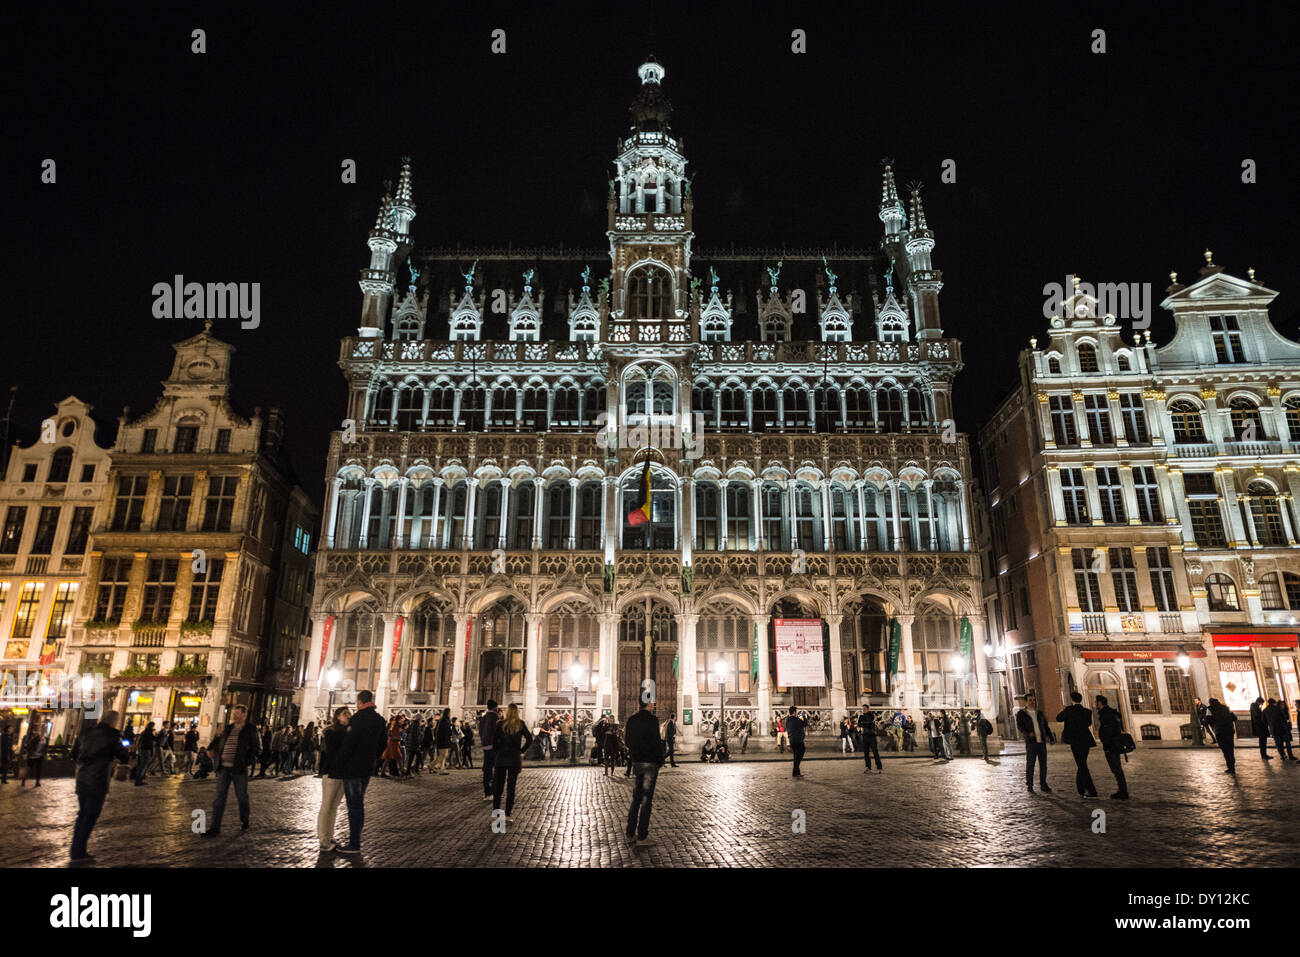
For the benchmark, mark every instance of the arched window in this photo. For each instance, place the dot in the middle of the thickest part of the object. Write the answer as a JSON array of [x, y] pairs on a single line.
[[775, 530], [1221, 592], [590, 510], [1054, 365], [864, 644], [660, 531], [487, 518], [1186, 420], [826, 401], [734, 415], [383, 514], [347, 527], [519, 524], [702, 403], [889, 402], [362, 644], [572, 636], [593, 403], [535, 415], [844, 529], [60, 464], [947, 501], [916, 408], [857, 404], [383, 408], [410, 407], [724, 633], [473, 404], [1266, 514], [1088, 358], [739, 509], [558, 502], [501, 658], [565, 407], [795, 400], [1292, 406], [776, 328], [706, 516], [875, 515], [649, 294], [504, 409], [648, 389], [1123, 363], [442, 405], [1246, 423], [764, 408], [934, 640], [432, 631], [453, 515], [807, 518]]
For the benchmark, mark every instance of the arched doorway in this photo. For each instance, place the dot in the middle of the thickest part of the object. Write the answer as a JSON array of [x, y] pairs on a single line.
[[801, 697], [647, 648], [864, 648]]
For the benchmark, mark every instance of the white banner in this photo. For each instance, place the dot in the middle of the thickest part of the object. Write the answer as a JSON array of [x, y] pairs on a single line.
[[799, 659]]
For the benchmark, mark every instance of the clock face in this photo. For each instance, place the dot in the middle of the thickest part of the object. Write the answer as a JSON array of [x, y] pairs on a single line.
[[200, 368]]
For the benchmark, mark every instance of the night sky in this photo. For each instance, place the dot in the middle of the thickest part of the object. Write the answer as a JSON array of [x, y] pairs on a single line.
[[225, 167]]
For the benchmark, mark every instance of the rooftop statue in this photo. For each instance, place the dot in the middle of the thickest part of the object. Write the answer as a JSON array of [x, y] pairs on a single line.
[[415, 273], [775, 274], [830, 276], [528, 277], [586, 277], [713, 277], [468, 275]]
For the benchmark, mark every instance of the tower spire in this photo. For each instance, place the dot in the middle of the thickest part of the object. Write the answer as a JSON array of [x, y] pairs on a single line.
[[891, 209]]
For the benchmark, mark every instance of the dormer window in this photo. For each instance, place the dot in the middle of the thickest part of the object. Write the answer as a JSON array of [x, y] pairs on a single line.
[[649, 294], [1088, 358], [1227, 339], [1054, 366], [775, 329], [1123, 363]]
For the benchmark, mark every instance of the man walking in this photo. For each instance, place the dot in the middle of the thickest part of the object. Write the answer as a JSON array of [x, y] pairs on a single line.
[[362, 745], [867, 729], [487, 732], [1032, 724], [1259, 727], [1076, 733], [795, 727], [983, 728], [1276, 716], [233, 752], [647, 755], [1225, 731], [94, 752], [191, 749], [1109, 728], [670, 739]]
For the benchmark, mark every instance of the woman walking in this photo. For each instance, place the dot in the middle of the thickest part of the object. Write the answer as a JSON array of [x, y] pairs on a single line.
[[331, 789], [309, 746], [846, 743], [143, 753], [392, 756], [511, 741], [442, 740]]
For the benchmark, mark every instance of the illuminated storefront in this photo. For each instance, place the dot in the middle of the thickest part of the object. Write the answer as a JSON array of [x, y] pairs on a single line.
[[1256, 664]]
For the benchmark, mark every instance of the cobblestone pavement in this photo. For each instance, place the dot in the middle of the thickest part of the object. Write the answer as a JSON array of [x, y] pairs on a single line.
[[1185, 812]]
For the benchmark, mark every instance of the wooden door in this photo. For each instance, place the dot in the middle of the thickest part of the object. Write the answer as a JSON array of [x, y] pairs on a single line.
[[665, 681], [630, 665]]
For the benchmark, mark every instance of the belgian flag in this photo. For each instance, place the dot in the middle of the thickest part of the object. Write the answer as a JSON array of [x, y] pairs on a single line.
[[641, 514]]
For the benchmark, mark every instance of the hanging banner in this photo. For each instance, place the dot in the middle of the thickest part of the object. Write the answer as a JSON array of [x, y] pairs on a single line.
[[799, 655], [48, 651], [964, 639], [397, 638], [469, 625], [895, 642], [325, 646], [753, 659]]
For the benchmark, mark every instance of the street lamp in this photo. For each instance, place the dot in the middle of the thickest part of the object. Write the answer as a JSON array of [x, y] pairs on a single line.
[[576, 673], [332, 676], [1184, 660], [720, 669], [957, 663]]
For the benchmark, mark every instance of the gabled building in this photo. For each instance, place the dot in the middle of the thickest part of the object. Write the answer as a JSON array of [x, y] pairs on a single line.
[[199, 557], [1143, 537]]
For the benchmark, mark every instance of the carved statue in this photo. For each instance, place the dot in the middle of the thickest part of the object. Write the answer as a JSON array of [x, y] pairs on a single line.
[[775, 274], [688, 579], [604, 286], [468, 275], [713, 277], [695, 284], [586, 276], [528, 277], [609, 579], [415, 273], [830, 276], [889, 276], [686, 182]]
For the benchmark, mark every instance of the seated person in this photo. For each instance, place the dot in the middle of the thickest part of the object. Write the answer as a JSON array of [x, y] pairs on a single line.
[[709, 751], [723, 753]]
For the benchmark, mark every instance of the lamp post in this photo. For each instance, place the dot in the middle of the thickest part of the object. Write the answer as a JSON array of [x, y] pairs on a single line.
[[332, 676], [1184, 660], [576, 673], [957, 664], [720, 669]]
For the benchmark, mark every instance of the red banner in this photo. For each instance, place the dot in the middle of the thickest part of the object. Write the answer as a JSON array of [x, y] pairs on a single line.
[[1264, 640], [397, 638], [324, 647], [469, 626]]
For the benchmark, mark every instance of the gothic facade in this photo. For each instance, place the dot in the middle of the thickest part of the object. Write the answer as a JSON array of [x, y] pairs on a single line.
[[797, 429]]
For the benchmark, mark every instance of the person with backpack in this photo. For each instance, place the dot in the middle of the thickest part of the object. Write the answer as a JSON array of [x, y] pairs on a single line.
[[983, 728], [1110, 728], [867, 731]]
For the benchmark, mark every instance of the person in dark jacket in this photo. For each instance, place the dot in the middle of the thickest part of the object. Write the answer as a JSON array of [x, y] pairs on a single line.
[[362, 745], [795, 728], [487, 733], [234, 753], [646, 752], [1077, 733], [511, 740], [414, 735], [442, 740], [191, 749], [1224, 723], [6, 752], [94, 752], [867, 734], [331, 788], [1110, 725], [1033, 727], [34, 752], [466, 745], [1259, 727], [144, 745], [267, 753], [670, 740], [1276, 716]]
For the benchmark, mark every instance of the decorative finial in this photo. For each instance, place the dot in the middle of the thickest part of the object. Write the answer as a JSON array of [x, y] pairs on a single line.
[[1209, 257], [1076, 283], [207, 325], [1033, 342], [1173, 277], [1251, 273]]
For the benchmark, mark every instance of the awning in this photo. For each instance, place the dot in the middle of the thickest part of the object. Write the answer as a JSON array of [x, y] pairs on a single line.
[[1255, 639], [1128, 652]]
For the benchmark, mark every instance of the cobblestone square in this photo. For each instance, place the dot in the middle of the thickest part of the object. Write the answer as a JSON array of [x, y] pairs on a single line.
[[1185, 813]]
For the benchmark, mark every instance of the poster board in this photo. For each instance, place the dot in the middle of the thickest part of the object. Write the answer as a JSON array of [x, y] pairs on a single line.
[[800, 661]]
